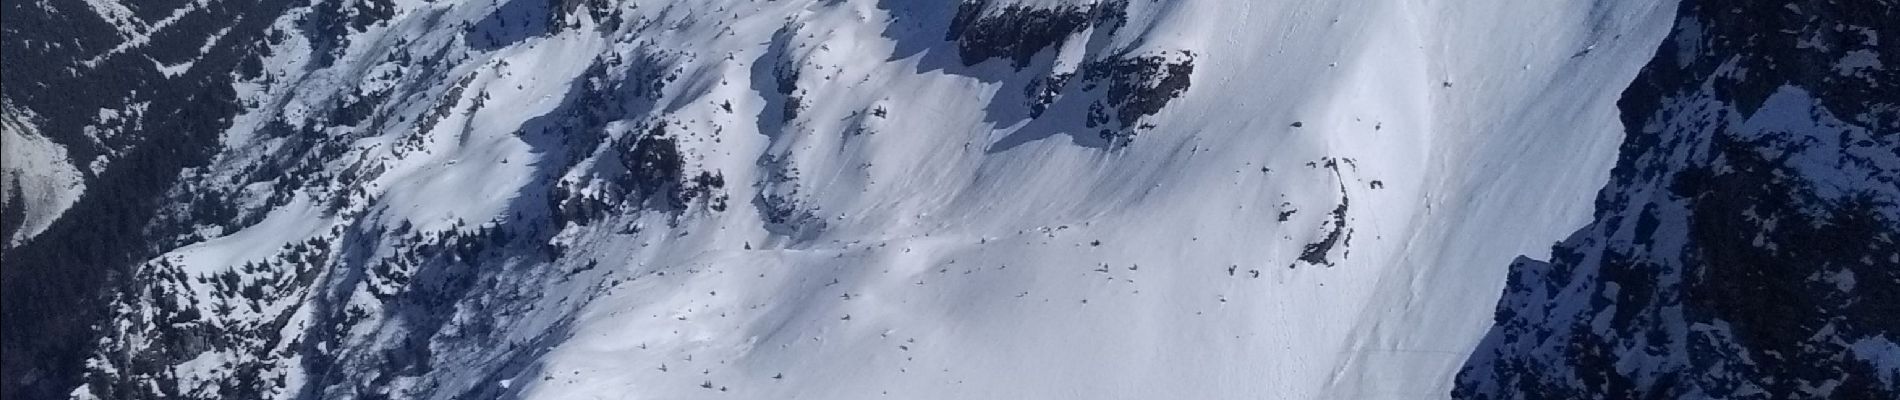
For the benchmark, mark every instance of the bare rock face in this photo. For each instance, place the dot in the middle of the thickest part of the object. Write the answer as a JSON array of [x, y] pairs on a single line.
[[1016, 32], [1748, 243]]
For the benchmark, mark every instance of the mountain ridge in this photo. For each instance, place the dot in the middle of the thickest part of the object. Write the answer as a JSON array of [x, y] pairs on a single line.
[[832, 199]]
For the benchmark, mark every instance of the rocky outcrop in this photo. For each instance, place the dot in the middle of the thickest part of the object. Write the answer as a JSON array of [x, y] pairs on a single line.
[[1016, 32], [1748, 243]]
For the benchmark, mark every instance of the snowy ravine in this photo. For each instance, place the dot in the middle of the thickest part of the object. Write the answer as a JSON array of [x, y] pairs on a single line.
[[841, 199], [1748, 243]]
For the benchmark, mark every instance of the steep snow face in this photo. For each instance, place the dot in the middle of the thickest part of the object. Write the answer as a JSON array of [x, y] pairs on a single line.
[[1748, 244], [37, 184], [862, 199]]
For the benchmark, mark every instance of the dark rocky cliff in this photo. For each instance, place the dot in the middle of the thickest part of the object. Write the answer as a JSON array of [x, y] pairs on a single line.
[[1748, 242]]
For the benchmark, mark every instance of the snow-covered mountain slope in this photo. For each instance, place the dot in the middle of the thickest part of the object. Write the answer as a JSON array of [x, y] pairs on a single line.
[[1746, 246], [826, 199], [856, 199], [128, 128], [37, 184]]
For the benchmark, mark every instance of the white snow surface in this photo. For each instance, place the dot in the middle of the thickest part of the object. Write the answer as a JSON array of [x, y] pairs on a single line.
[[967, 251], [37, 170], [116, 13]]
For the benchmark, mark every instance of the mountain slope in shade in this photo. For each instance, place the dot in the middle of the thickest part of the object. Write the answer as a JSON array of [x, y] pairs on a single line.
[[1748, 244]]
